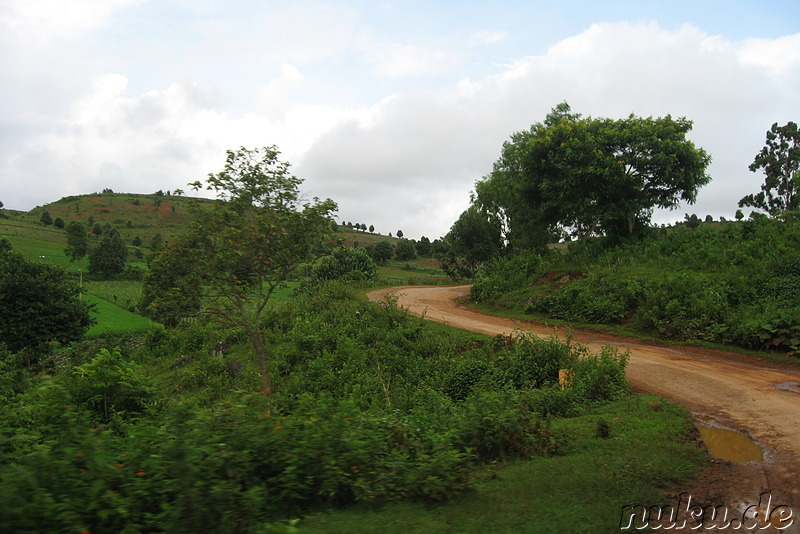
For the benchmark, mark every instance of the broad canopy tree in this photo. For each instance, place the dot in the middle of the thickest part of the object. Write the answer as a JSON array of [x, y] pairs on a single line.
[[590, 176], [780, 161], [243, 248]]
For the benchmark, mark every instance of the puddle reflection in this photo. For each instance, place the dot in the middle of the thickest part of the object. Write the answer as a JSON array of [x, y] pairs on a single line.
[[730, 445]]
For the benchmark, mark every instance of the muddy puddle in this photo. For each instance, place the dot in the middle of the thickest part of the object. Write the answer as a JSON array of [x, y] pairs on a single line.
[[728, 444]]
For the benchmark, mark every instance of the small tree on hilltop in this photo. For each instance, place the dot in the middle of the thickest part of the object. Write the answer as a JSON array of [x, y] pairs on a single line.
[[45, 218], [400, 234]]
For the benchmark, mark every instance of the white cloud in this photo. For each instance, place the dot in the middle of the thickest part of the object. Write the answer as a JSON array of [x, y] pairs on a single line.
[[44, 19], [407, 159], [779, 55], [435, 145], [395, 60]]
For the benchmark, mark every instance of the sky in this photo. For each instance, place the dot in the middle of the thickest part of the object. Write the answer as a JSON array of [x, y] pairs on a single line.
[[393, 109]]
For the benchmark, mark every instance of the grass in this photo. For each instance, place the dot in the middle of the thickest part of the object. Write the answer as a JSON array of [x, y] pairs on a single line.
[[112, 318], [422, 271], [650, 448], [124, 293]]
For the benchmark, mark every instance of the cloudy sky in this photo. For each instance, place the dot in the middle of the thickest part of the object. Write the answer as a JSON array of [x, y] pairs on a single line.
[[391, 108]]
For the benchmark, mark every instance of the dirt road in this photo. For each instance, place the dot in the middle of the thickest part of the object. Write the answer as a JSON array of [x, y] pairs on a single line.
[[757, 397]]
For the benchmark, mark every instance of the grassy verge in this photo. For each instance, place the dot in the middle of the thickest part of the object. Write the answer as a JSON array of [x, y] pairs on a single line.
[[649, 448]]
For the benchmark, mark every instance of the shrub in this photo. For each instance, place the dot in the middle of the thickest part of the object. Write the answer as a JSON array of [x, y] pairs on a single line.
[[599, 298], [503, 274], [348, 264]]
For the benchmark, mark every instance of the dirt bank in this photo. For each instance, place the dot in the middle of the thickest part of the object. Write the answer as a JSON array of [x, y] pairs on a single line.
[[754, 396]]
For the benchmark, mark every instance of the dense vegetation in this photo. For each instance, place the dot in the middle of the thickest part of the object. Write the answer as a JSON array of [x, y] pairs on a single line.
[[370, 405], [733, 282]]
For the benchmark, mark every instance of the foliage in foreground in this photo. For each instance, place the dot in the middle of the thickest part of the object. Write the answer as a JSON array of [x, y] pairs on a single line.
[[371, 405]]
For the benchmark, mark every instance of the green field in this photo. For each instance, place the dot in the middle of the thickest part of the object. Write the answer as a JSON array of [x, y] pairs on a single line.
[[111, 318]]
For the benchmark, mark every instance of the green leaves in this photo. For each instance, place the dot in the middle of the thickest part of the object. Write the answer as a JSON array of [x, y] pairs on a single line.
[[37, 306], [591, 176], [779, 159]]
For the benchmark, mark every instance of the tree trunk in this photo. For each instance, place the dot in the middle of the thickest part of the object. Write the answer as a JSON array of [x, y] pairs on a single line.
[[257, 337]]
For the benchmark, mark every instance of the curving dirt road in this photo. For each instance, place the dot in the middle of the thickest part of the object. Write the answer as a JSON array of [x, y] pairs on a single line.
[[745, 393]]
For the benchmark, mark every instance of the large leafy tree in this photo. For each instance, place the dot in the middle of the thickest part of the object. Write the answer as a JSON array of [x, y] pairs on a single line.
[[590, 176], [37, 305], [779, 159], [108, 257], [250, 241]]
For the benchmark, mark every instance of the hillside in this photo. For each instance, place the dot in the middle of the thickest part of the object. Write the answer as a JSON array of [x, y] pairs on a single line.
[[142, 216]]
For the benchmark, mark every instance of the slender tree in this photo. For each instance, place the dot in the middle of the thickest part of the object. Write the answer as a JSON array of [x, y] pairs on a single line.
[[780, 162], [77, 241], [252, 240]]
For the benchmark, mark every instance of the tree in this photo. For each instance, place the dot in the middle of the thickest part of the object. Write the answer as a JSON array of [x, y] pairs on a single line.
[[382, 252], [590, 176], [423, 247], [780, 161], [156, 241], [692, 221], [474, 238], [371, 228], [404, 250], [59, 223], [97, 229], [77, 241], [108, 257], [400, 234], [739, 215], [171, 288], [252, 240], [37, 305], [45, 218]]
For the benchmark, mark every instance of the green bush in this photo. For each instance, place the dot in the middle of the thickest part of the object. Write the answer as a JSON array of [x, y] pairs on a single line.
[[503, 274], [348, 264], [599, 298]]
